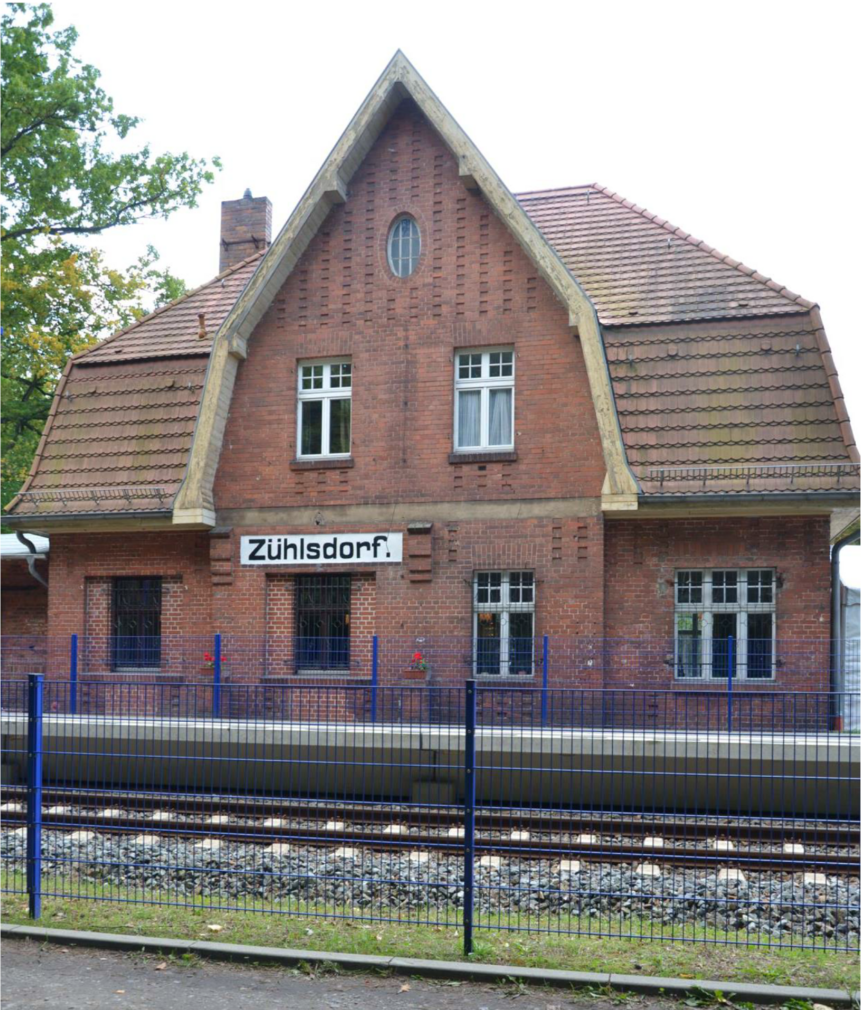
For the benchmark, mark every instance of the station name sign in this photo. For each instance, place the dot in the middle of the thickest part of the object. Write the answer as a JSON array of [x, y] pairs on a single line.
[[323, 549]]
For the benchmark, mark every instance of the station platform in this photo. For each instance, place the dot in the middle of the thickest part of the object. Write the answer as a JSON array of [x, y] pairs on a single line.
[[739, 773]]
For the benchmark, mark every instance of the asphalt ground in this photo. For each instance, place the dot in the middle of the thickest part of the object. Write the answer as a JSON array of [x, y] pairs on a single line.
[[36, 975]]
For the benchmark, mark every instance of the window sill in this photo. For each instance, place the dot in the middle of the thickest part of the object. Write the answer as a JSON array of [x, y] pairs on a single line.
[[484, 456], [508, 678], [294, 675], [722, 681], [323, 463]]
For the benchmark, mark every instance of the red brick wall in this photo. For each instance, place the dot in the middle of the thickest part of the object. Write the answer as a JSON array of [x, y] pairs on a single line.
[[473, 287], [593, 579], [82, 569], [280, 659], [641, 558], [435, 616], [25, 601], [24, 617]]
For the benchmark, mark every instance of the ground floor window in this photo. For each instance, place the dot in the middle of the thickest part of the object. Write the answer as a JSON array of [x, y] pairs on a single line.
[[322, 622], [725, 623], [504, 623], [136, 623]]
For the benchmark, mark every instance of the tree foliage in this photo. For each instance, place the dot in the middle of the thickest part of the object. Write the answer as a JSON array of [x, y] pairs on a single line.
[[66, 175]]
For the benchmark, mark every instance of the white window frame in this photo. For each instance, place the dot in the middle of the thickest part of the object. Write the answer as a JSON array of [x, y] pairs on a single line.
[[483, 384], [504, 607], [711, 604], [326, 393]]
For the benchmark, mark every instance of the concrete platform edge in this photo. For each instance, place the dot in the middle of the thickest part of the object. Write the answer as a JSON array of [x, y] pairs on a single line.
[[760, 994]]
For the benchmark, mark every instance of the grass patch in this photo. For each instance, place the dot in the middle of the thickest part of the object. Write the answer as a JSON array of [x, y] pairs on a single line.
[[321, 931]]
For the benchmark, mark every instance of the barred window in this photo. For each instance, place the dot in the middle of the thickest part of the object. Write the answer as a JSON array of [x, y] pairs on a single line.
[[504, 623], [725, 623], [136, 624], [322, 623]]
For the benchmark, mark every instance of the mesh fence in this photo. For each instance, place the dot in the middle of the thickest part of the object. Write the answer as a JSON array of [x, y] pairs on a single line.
[[586, 812]]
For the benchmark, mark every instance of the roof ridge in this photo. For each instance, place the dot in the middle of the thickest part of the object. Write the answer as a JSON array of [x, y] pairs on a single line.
[[560, 190], [170, 305], [782, 290]]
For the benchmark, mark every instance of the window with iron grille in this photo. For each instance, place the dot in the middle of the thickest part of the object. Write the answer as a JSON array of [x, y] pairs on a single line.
[[136, 624], [725, 622], [325, 408], [504, 623], [322, 623]]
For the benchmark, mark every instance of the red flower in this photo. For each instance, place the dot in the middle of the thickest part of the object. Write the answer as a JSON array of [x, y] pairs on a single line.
[[417, 657], [207, 658]]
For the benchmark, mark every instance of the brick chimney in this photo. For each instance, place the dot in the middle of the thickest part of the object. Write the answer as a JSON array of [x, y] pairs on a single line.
[[246, 228]]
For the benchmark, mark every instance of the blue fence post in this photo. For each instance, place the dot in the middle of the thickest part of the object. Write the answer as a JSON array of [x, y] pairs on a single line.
[[216, 677], [729, 671], [35, 687], [469, 819], [375, 673], [545, 672], [73, 675]]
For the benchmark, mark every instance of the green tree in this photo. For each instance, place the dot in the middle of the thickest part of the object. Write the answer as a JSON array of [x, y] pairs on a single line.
[[62, 181]]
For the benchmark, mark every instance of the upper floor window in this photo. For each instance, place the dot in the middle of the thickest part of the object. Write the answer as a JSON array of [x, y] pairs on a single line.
[[484, 400], [404, 246], [725, 623], [325, 391]]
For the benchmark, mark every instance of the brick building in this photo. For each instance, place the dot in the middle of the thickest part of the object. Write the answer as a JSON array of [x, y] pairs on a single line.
[[458, 420]]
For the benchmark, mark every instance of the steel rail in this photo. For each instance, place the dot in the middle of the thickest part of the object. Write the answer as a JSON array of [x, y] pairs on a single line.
[[845, 865], [516, 818]]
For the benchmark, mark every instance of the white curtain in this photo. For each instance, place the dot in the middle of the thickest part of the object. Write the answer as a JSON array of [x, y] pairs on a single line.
[[469, 418], [500, 417]]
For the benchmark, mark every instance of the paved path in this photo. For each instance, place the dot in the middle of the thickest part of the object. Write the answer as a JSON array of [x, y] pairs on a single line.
[[78, 978]]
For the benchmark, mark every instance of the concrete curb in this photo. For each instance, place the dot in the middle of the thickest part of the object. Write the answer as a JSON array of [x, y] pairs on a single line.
[[654, 986]]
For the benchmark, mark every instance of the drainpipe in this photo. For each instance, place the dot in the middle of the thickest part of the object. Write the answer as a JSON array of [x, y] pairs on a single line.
[[31, 557], [837, 684]]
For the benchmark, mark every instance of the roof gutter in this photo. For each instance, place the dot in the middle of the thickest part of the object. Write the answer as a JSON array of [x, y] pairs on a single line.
[[744, 496], [55, 517], [838, 684], [31, 557]]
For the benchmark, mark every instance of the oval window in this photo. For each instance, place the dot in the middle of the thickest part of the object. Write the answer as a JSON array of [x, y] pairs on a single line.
[[404, 246]]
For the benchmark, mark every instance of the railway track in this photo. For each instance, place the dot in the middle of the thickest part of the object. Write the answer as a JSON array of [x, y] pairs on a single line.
[[536, 842], [691, 827]]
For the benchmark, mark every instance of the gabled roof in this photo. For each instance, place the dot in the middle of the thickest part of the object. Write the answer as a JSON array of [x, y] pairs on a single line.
[[174, 330], [119, 431], [722, 380], [399, 80], [731, 406], [638, 268]]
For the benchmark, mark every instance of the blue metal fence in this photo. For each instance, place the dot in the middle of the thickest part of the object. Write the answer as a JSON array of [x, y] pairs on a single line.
[[545, 662], [585, 812]]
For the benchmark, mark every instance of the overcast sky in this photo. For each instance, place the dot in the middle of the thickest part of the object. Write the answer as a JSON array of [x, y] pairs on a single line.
[[736, 121]]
